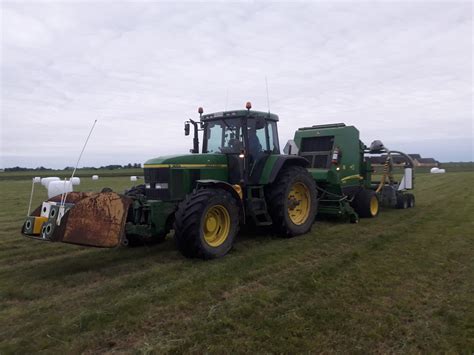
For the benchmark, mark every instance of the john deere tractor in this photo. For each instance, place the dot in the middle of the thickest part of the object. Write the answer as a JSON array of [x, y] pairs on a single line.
[[237, 176]]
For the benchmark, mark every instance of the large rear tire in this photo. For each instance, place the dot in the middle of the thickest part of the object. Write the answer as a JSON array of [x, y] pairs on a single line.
[[292, 201], [366, 204], [206, 223]]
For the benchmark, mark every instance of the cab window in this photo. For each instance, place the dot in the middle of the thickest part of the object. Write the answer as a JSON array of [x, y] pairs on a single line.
[[222, 136], [214, 137], [273, 137]]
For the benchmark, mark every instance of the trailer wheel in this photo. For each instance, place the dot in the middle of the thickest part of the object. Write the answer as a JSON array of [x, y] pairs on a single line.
[[366, 204], [292, 201], [206, 223], [411, 200], [402, 201]]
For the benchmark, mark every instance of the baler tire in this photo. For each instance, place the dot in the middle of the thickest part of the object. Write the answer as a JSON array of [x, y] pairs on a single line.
[[411, 200], [366, 204], [278, 201], [402, 201], [190, 228]]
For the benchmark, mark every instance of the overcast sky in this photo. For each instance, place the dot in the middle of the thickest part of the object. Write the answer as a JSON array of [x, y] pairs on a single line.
[[400, 72]]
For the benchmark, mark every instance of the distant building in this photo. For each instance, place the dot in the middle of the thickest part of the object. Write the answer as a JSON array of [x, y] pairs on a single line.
[[430, 162], [419, 161]]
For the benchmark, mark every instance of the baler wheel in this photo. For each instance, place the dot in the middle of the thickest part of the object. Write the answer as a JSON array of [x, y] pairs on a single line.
[[402, 201], [366, 204], [411, 200], [292, 201], [206, 223]]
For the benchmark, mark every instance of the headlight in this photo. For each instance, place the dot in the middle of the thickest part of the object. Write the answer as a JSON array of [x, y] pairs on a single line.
[[161, 185]]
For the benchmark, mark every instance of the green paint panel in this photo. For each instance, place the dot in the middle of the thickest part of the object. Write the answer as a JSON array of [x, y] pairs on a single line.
[[346, 139], [324, 176], [160, 212], [209, 159], [267, 170]]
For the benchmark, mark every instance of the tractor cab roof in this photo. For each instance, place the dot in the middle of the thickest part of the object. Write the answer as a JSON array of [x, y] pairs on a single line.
[[239, 114]]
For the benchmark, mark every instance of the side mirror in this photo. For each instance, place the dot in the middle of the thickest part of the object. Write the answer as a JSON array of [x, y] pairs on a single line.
[[186, 129]]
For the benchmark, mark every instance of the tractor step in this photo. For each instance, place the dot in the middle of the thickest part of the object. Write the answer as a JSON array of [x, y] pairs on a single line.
[[257, 206]]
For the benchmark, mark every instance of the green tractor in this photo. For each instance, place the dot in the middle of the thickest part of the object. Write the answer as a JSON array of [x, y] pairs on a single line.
[[237, 177]]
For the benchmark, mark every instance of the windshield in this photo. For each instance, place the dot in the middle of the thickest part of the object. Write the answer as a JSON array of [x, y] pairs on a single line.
[[223, 136]]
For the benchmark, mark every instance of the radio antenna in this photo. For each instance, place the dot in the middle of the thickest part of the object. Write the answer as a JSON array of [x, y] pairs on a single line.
[[63, 198], [268, 96]]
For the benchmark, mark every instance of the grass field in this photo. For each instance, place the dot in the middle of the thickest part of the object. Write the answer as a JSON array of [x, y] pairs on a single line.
[[403, 282]]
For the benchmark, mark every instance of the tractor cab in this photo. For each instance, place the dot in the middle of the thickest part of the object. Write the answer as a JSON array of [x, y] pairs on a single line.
[[246, 137]]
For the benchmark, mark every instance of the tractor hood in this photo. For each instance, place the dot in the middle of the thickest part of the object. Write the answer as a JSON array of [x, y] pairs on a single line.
[[188, 161], [171, 178]]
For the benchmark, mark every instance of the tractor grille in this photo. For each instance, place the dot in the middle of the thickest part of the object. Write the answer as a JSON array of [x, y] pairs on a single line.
[[153, 176]]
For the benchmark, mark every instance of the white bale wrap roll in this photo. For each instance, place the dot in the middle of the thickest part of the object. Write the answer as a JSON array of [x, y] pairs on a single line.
[[36, 179], [133, 178], [76, 181], [95, 177], [45, 181], [434, 170], [59, 187]]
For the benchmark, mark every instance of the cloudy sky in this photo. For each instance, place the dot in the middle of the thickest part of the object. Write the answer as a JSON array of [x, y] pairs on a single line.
[[399, 71]]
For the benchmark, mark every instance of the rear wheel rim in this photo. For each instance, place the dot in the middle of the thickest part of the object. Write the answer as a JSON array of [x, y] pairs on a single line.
[[216, 225], [299, 203]]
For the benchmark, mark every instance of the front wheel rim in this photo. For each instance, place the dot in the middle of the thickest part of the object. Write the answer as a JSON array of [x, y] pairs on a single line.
[[299, 203], [216, 225]]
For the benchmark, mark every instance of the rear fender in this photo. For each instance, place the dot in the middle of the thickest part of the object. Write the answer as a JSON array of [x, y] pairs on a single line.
[[276, 163]]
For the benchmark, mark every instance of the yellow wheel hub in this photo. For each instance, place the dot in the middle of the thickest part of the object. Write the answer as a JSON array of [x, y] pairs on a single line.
[[299, 203], [216, 226], [374, 206]]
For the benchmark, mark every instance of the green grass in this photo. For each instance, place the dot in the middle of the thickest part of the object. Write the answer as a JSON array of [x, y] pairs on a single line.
[[403, 282]]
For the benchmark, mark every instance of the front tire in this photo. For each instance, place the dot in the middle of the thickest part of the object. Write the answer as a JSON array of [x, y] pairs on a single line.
[[292, 201], [206, 224]]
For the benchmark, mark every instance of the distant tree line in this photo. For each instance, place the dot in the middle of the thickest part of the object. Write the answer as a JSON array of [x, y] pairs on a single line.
[[108, 167], [116, 166], [19, 168]]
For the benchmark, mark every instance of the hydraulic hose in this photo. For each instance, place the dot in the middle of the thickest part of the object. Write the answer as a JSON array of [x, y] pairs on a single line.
[[387, 172]]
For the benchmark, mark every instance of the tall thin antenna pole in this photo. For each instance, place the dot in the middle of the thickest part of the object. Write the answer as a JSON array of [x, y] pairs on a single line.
[[268, 96], [63, 200]]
